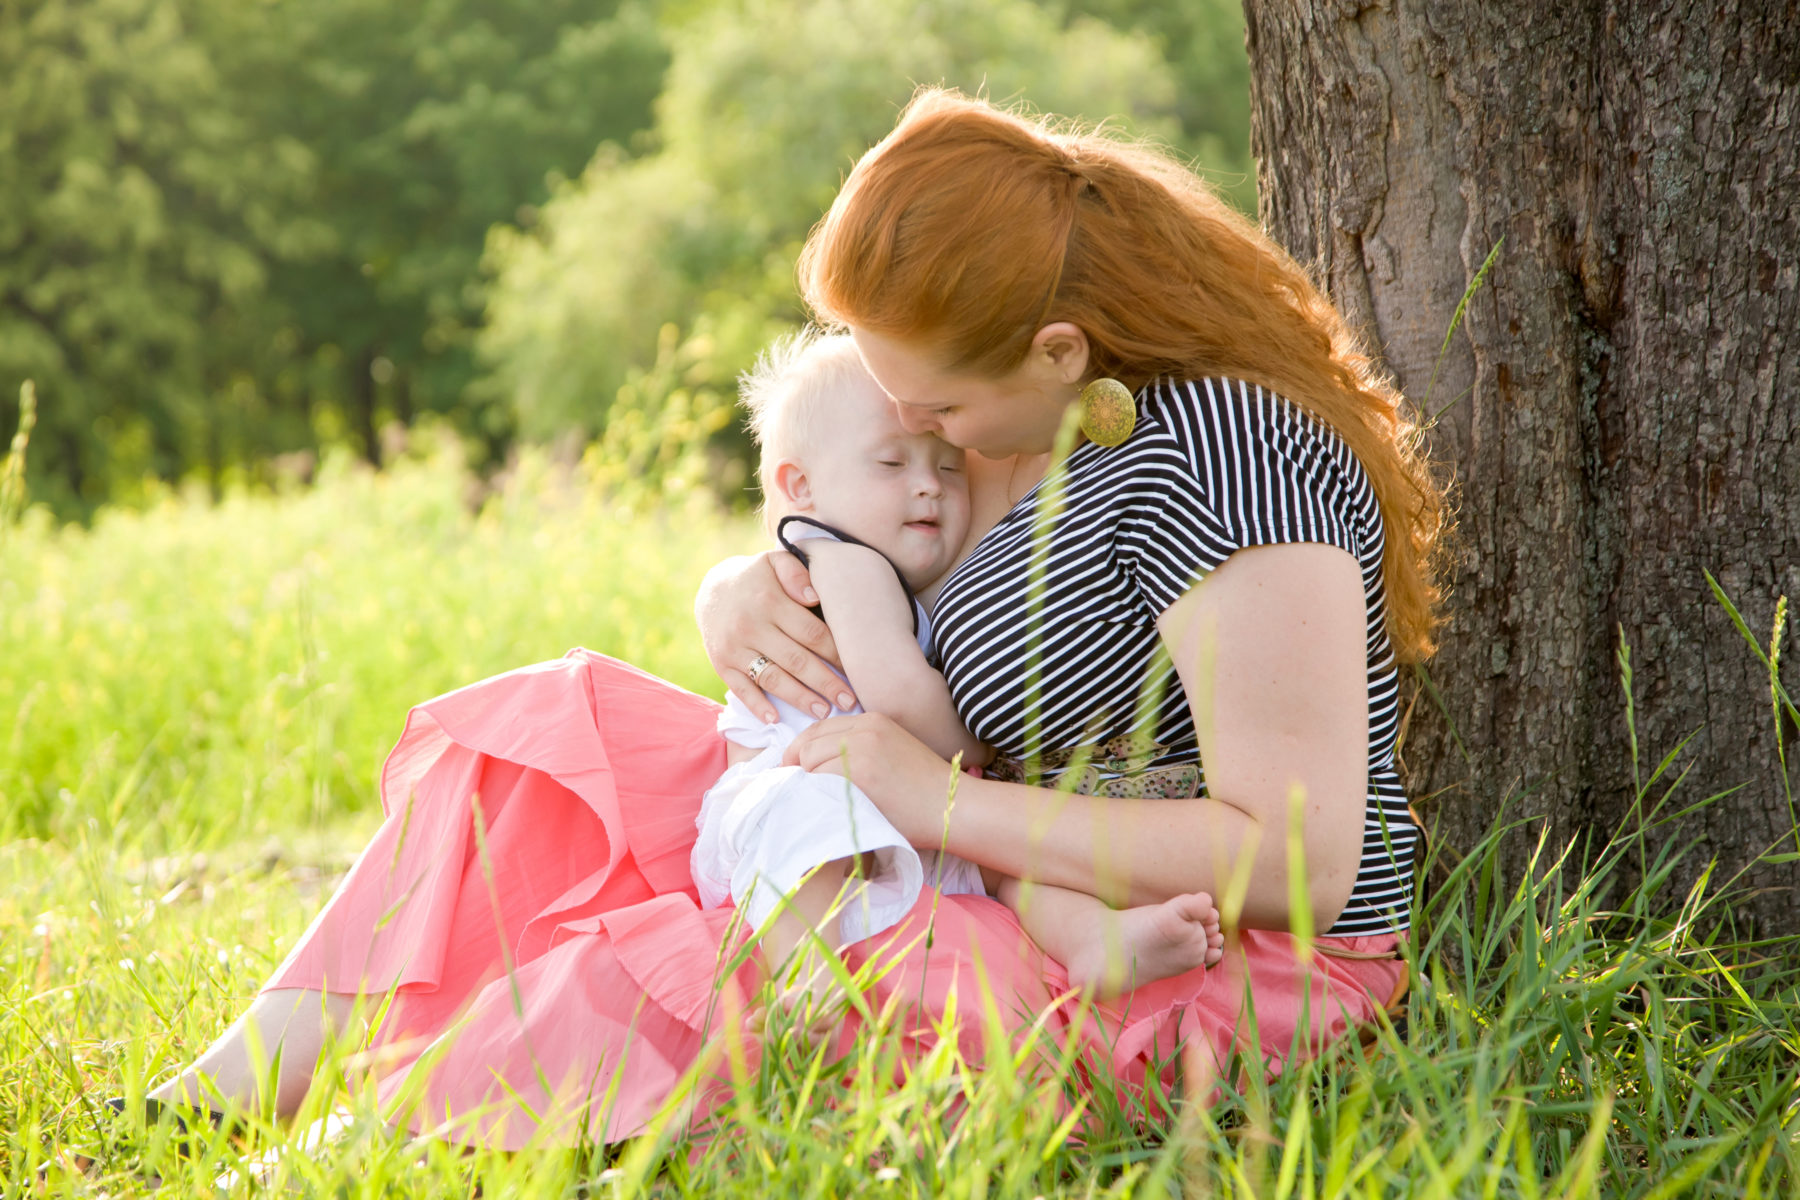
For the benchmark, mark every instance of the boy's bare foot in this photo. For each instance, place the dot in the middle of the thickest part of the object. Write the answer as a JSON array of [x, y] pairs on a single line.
[[812, 1005], [1135, 946]]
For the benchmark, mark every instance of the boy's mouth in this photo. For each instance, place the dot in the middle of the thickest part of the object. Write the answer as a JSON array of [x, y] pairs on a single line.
[[924, 523]]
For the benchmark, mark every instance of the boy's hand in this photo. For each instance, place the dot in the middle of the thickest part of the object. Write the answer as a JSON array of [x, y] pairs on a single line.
[[754, 608]]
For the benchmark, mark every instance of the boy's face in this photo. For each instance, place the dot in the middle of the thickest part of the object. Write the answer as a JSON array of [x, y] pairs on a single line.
[[903, 493]]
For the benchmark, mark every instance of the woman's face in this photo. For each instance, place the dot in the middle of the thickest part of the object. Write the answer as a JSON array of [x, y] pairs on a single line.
[[1018, 413]]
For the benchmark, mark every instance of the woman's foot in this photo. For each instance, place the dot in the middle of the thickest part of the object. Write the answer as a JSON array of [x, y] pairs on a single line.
[[297, 1024], [187, 1122], [1130, 947], [264, 1171]]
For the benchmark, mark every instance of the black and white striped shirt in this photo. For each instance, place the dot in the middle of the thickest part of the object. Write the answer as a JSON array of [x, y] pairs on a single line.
[[1047, 631]]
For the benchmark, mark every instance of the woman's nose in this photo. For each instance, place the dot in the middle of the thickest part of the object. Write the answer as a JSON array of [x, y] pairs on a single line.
[[916, 420]]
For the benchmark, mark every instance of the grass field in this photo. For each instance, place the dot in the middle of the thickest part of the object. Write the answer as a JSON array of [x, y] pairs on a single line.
[[193, 703]]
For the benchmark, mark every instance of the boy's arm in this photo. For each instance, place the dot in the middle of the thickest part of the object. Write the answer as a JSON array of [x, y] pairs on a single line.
[[872, 624]]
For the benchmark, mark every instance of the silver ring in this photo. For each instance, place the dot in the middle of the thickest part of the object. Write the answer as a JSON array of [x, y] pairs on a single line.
[[756, 668]]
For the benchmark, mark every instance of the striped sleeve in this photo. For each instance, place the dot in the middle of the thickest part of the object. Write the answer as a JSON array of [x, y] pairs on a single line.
[[1251, 469]]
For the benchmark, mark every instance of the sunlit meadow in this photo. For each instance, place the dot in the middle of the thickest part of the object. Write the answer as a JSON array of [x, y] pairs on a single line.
[[194, 699]]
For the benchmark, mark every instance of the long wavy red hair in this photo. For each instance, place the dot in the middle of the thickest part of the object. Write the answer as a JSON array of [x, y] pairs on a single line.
[[968, 229]]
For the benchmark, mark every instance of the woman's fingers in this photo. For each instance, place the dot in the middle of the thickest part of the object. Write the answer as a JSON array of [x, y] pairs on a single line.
[[749, 624], [773, 679], [900, 775], [798, 672], [822, 745], [794, 578], [789, 670], [749, 695], [797, 644]]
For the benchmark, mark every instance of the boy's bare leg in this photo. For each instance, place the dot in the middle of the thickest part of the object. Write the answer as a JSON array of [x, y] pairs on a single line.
[[293, 1021], [1111, 950], [797, 937]]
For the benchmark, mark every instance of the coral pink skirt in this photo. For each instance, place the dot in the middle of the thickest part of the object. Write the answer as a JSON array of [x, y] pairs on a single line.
[[526, 917]]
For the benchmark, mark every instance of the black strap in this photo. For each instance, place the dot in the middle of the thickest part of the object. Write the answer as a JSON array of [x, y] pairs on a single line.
[[781, 536]]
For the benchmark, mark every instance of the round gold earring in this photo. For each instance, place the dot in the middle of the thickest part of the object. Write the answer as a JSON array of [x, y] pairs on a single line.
[[1108, 412]]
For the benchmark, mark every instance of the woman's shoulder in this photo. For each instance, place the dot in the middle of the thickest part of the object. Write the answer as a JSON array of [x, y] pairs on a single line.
[[1236, 434], [1264, 467], [1223, 410]]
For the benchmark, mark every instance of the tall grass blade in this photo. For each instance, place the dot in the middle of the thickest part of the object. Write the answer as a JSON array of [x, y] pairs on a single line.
[[1456, 318], [12, 473], [1778, 694]]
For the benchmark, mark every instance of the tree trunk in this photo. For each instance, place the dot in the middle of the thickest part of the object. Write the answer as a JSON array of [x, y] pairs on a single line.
[[1620, 411], [362, 406]]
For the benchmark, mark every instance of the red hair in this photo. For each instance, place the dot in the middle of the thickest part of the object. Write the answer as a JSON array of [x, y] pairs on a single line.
[[968, 229]]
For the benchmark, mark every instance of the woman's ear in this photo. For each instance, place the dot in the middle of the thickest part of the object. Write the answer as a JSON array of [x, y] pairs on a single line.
[[795, 488], [1062, 349]]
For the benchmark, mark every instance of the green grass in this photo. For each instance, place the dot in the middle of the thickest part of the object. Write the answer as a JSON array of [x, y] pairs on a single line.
[[193, 703], [196, 673]]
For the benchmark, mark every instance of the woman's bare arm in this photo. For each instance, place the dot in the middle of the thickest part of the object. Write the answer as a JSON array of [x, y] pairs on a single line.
[[1271, 651]]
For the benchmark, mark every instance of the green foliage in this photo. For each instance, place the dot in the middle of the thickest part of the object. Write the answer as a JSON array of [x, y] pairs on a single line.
[[229, 231], [750, 151], [1203, 43], [203, 672], [140, 214], [657, 450], [1573, 1032], [431, 122]]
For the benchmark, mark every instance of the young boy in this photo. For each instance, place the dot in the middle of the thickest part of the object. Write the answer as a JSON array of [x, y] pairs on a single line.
[[879, 515]]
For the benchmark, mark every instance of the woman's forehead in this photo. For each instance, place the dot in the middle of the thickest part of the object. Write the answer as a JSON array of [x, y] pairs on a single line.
[[898, 368]]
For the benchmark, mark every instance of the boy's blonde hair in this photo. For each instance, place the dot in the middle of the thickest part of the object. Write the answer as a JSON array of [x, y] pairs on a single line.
[[787, 394]]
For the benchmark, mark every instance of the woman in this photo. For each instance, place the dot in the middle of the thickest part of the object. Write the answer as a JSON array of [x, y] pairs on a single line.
[[1227, 585], [988, 269]]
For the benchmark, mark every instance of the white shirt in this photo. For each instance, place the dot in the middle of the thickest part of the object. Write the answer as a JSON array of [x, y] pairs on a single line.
[[764, 826]]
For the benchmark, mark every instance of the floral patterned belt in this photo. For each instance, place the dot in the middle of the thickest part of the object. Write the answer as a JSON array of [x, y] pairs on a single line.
[[1119, 769]]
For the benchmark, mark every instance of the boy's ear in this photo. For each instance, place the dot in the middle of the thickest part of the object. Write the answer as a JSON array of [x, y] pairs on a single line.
[[795, 488]]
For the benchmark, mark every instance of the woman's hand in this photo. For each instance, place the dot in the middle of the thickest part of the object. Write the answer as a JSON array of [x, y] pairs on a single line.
[[904, 777], [750, 608]]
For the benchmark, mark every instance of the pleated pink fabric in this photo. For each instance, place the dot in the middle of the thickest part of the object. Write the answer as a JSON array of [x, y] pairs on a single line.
[[550, 976]]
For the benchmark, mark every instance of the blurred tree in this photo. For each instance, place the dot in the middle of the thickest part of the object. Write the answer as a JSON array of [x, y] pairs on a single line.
[[139, 212], [1203, 43], [767, 105], [429, 123], [231, 229]]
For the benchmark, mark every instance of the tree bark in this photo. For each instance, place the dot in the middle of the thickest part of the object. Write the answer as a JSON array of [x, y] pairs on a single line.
[[1619, 405]]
